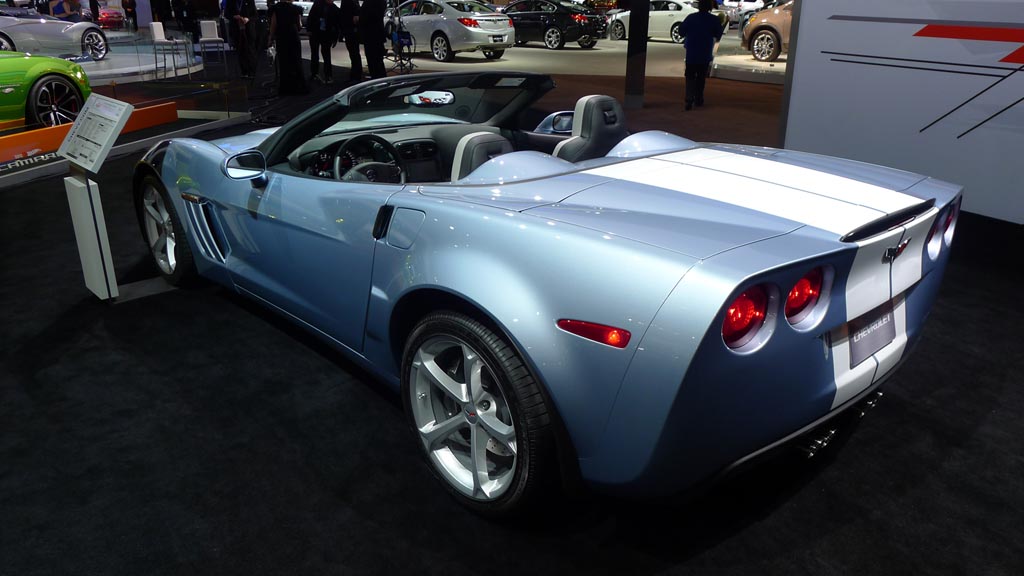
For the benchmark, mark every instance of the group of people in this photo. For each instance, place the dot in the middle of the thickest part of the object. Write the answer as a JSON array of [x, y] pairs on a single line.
[[327, 23]]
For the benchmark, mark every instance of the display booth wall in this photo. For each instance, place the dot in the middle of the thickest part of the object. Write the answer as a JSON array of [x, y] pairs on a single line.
[[930, 86]]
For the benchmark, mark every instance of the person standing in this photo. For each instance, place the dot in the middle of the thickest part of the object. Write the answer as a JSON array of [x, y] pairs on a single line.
[[348, 15], [700, 31], [131, 19], [371, 34], [241, 15], [322, 25], [64, 10], [285, 23]]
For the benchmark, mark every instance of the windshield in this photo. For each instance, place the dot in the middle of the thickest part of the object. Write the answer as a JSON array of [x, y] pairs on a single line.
[[473, 98]]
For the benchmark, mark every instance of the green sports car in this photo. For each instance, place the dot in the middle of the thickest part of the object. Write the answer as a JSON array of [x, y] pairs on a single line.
[[39, 90]]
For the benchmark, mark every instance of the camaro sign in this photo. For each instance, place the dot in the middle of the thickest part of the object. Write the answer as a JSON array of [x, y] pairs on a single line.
[[939, 89]]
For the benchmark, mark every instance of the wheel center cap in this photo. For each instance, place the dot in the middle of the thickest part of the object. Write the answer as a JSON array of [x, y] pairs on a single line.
[[471, 413]]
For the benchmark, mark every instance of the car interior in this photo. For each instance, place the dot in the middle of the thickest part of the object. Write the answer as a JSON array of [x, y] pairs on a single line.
[[443, 152]]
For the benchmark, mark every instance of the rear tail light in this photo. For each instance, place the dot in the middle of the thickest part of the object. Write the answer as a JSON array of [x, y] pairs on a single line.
[[579, 18], [803, 296], [745, 317], [469, 22], [609, 335], [511, 24], [943, 229]]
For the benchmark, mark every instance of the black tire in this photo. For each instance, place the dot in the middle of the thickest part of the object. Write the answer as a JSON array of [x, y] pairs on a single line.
[[180, 269], [520, 42], [765, 45], [493, 54], [6, 44], [553, 38], [94, 43], [617, 31], [587, 42], [53, 100], [441, 48], [448, 339], [676, 33]]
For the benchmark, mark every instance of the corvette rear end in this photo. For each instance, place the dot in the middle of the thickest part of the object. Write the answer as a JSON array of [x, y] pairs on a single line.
[[832, 275]]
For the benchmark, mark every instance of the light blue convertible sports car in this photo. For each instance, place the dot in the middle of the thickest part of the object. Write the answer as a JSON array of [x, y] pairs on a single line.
[[640, 312]]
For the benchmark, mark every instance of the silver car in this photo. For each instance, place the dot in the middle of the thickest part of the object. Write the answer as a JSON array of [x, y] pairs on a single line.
[[25, 30], [446, 27]]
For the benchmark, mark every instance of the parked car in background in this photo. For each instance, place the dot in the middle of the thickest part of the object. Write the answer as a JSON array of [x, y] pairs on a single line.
[[665, 18], [25, 30], [110, 18], [446, 27], [766, 34], [555, 22], [40, 90], [735, 8], [745, 14]]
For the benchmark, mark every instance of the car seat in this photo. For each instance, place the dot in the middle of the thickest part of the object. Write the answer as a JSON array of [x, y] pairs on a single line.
[[475, 149], [598, 124]]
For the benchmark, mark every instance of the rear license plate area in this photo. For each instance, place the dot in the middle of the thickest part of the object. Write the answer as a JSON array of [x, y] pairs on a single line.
[[870, 333], [497, 39]]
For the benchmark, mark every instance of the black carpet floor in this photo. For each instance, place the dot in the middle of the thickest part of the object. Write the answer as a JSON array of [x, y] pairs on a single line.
[[190, 432]]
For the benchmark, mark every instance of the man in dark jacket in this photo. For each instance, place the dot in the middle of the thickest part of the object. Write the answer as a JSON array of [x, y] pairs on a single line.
[[241, 15], [322, 25], [348, 15], [700, 31], [371, 34]]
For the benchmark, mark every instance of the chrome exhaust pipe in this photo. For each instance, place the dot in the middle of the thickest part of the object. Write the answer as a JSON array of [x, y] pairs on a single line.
[[824, 436]]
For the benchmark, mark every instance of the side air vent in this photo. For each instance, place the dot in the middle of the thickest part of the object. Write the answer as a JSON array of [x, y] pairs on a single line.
[[208, 242], [889, 221]]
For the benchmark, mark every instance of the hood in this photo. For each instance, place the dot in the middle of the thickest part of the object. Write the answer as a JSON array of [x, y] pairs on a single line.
[[234, 144], [704, 201]]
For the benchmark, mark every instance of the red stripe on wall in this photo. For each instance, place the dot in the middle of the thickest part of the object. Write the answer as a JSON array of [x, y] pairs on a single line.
[[983, 33]]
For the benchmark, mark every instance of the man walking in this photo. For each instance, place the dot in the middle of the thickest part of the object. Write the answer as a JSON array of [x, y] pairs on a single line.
[[349, 15], [700, 31], [322, 24], [371, 34]]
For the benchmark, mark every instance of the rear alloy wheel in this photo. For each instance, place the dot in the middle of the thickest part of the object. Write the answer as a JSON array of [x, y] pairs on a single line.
[[493, 54], [587, 42], [94, 43], [553, 39], [53, 100], [6, 45], [477, 413], [677, 33], [765, 46], [163, 233], [442, 49], [618, 31]]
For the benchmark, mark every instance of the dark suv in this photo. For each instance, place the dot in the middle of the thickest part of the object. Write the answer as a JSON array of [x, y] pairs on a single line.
[[555, 22]]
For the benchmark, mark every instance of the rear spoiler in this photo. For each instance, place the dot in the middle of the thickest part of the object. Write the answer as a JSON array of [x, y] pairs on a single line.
[[889, 221]]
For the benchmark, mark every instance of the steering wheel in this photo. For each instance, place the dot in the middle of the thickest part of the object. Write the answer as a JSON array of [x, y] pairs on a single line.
[[391, 172]]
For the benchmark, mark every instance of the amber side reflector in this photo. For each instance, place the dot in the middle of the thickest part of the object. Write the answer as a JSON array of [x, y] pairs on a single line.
[[615, 337]]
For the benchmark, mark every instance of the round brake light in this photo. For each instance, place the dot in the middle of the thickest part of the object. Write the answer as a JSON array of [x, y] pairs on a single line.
[[803, 296], [744, 317]]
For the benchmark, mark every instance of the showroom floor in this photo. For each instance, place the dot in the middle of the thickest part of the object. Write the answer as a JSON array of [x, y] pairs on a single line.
[[192, 432]]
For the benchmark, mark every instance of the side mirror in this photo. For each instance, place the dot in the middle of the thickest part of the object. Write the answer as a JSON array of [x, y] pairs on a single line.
[[246, 165], [556, 123]]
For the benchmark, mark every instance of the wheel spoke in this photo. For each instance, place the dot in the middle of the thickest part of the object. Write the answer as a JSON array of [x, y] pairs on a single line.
[[439, 378], [433, 433], [159, 244], [472, 370], [478, 461], [171, 243], [153, 215], [498, 430]]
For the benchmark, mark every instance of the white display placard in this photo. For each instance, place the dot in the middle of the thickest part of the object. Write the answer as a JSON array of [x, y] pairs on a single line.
[[930, 86], [93, 134]]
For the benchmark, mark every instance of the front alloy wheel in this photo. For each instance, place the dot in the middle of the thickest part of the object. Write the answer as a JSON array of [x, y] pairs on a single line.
[[677, 33], [765, 46], [5, 44], [553, 39], [618, 31], [477, 413], [53, 100], [163, 233]]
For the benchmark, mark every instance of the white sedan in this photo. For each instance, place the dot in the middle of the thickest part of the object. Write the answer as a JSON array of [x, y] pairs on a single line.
[[665, 18], [446, 27]]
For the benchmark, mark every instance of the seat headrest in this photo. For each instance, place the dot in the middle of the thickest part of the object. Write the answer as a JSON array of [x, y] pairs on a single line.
[[597, 113], [475, 149]]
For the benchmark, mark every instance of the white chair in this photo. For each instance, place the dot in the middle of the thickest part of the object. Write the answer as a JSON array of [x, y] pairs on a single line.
[[163, 46], [210, 37]]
